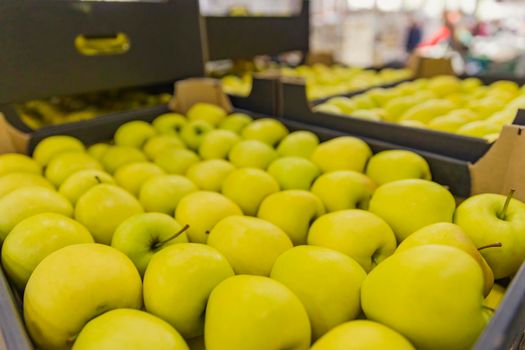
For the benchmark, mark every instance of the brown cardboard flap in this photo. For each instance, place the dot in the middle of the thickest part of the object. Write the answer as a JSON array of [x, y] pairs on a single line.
[[193, 90], [326, 58], [12, 140], [502, 168], [426, 67]]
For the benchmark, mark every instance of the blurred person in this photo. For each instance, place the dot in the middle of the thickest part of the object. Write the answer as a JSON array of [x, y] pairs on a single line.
[[414, 35]]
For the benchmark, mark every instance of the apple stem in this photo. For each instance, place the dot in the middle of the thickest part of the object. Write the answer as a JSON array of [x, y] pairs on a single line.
[[503, 211], [492, 245], [159, 244]]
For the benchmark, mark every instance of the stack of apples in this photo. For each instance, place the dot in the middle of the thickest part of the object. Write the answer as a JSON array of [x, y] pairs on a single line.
[[443, 103], [219, 232], [323, 81]]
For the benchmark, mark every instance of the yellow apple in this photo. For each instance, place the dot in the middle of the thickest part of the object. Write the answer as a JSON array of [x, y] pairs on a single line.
[[256, 313], [202, 210], [121, 328], [327, 282], [362, 335], [14, 181], [178, 282], [342, 153], [73, 285], [251, 245]]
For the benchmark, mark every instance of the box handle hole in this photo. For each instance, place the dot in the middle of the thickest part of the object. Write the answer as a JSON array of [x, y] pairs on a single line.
[[96, 45]]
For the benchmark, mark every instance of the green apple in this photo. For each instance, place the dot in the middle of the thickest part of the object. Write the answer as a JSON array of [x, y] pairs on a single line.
[[162, 193], [345, 104], [361, 235], [28, 201], [159, 143], [72, 286], [134, 134], [448, 123], [14, 181], [327, 108], [292, 211], [299, 144], [61, 166], [327, 283], [361, 335], [444, 85], [363, 102], [209, 175], [207, 112], [252, 154], [193, 133], [169, 123], [489, 218], [142, 235], [505, 85], [97, 150], [408, 205], [428, 110], [393, 165], [202, 210], [131, 176], [117, 329], [264, 314], [178, 282], [267, 130], [495, 297], [103, 208], [452, 235], [343, 189], [217, 144], [396, 107], [367, 114], [18, 163], [176, 161], [382, 96], [78, 183], [117, 156], [342, 153], [470, 84], [479, 128], [428, 292], [251, 245], [294, 172], [53, 145], [248, 187], [34, 238], [487, 106], [235, 122]]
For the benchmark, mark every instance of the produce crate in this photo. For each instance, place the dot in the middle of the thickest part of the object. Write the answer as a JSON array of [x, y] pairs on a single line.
[[74, 47], [295, 106], [239, 37], [504, 332]]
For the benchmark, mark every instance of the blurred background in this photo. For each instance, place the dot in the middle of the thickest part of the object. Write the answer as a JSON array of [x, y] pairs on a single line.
[[484, 36]]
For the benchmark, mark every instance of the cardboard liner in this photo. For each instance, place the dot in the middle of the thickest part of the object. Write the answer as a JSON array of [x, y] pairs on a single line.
[[426, 67], [191, 91], [502, 168], [11, 139]]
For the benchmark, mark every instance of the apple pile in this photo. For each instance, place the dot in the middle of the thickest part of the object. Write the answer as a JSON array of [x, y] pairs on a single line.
[[443, 103], [323, 81], [219, 232]]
